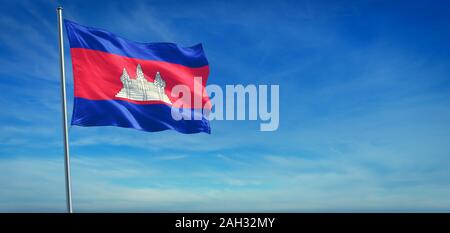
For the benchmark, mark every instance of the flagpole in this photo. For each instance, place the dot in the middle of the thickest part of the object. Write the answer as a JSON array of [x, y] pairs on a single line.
[[64, 111]]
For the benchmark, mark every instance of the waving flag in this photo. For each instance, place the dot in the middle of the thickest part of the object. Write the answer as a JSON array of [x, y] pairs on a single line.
[[118, 82]]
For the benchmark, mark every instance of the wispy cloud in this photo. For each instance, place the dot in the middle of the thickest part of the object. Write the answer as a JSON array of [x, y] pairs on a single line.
[[100, 185]]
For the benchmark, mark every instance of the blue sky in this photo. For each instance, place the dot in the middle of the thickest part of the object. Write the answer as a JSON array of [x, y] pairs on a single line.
[[364, 101]]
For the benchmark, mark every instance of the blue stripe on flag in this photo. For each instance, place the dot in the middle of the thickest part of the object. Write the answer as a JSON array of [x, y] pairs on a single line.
[[145, 117], [101, 40]]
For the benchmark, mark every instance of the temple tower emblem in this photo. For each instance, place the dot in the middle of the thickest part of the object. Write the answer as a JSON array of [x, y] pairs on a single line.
[[140, 89]]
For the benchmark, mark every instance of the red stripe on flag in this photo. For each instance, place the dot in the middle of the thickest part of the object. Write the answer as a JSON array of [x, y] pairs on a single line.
[[97, 75]]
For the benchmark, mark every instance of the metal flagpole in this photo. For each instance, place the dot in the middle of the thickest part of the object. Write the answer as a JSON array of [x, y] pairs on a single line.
[[64, 111]]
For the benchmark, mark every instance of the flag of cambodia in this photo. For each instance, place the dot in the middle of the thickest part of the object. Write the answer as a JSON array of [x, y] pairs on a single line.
[[145, 86]]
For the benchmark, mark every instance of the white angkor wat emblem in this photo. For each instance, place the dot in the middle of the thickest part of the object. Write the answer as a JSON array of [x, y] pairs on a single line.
[[140, 89]]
